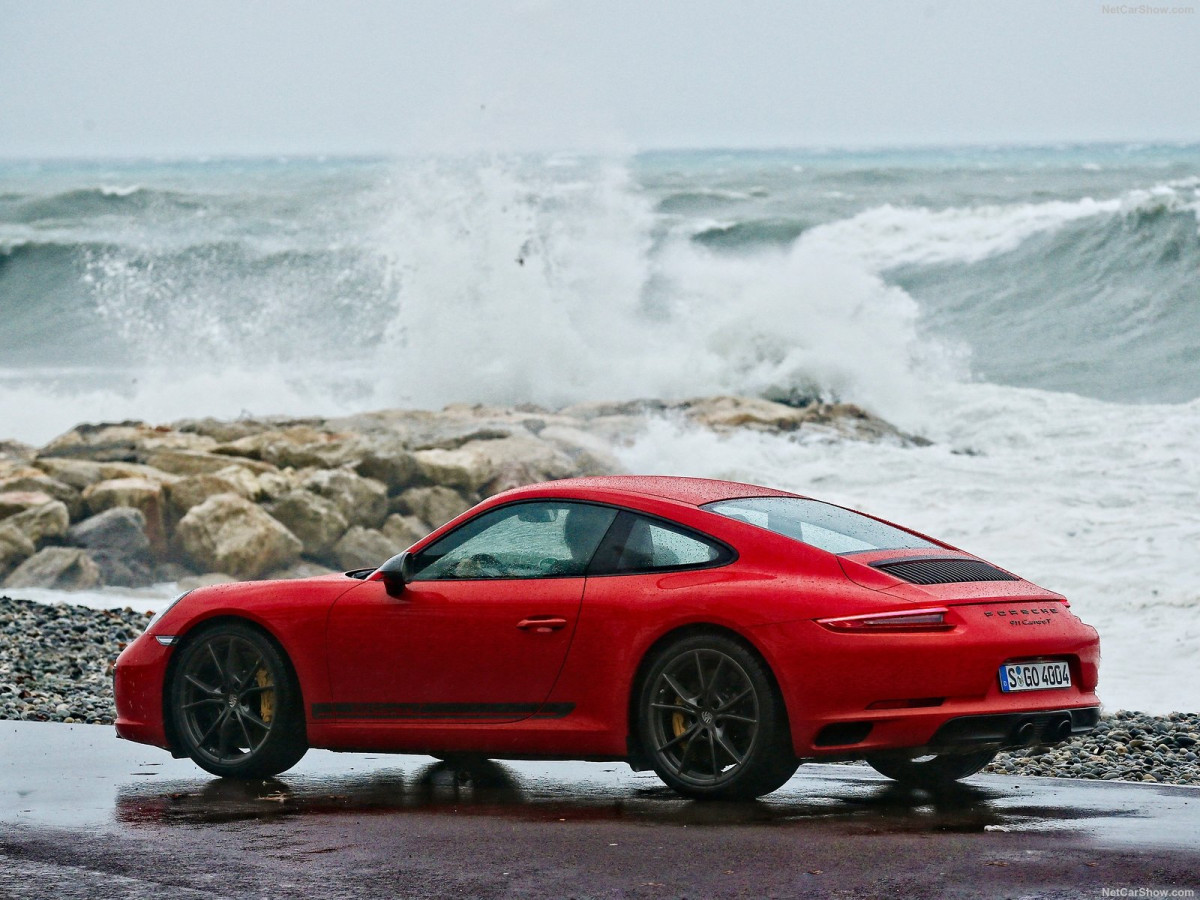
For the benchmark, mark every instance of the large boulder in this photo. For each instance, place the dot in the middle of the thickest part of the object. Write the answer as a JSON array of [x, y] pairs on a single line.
[[61, 568], [490, 466], [404, 531], [180, 496], [15, 548], [198, 462], [14, 502], [362, 548], [435, 505], [141, 494], [388, 462], [79, 473], [45, 522], [116, 541], [363, 501], [315, 520], [37, 480], [227, 533]]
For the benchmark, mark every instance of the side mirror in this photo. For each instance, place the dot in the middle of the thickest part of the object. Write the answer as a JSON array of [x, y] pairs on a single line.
[[396, 573]]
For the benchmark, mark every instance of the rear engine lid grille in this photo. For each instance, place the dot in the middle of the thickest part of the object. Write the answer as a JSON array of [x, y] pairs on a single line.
[[940, 570]]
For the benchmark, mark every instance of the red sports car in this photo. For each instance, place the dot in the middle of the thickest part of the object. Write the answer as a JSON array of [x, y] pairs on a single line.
[[718, 633]]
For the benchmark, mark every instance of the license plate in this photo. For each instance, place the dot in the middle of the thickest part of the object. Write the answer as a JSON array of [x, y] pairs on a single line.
[[1034, 676]]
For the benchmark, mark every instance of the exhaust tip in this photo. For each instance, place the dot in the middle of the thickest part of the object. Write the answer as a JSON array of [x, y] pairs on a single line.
[[1061, 730], [1026, 734]]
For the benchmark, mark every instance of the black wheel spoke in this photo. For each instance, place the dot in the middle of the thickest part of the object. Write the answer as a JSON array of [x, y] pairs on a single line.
[[246, 675], [732, 717], [255, 720], [712, 750], [687, 751], [217, 723], [740, 696], [728, 748], [230, 663], [203, 701], [245, 732], [679, 691], [702, 693], [196, 682], [679, 737], [216, 662], [675, 707], [256, 689], [713, 680]]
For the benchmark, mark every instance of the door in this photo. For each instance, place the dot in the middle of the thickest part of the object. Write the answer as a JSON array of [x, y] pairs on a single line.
[[482, 629]]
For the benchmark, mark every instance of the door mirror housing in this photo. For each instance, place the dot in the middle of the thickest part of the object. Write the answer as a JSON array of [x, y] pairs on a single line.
[[395, 573]]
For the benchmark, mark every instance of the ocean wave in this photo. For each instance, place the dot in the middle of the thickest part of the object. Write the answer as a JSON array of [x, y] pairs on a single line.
[[103, 200]]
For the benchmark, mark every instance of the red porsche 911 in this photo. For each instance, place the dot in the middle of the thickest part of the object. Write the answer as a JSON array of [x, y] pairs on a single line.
[[718, 633]]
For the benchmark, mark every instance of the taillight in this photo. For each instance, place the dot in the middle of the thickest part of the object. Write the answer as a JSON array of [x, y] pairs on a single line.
[[928, 619]]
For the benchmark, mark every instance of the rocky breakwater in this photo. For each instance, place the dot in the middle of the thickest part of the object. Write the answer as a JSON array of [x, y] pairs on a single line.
[[131, 503]]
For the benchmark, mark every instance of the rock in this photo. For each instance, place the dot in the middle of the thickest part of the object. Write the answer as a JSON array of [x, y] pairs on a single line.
[[15, 451], [172, 571], [404, 531], [436, 505], [244, 480], [122, 442], [302, 569], [42, 523], [723, 413], [273, 485], [37, 480], [61, 568], [589, 454], [222, 432], [14, 502], [315, 520], [139, 493], [489, 467], [15, 548], [390, 464], [296, 446], [227, 533], [180, 496], [362, 548], [80, 473], [363, 501], [196, 462], [121, 530]]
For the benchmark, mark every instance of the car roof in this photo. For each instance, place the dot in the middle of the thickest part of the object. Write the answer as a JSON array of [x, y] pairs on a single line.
[[696, 491]]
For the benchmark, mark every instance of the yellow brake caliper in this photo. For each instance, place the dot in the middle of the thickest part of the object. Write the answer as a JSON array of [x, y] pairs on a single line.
[[677, 723], [266, 700]]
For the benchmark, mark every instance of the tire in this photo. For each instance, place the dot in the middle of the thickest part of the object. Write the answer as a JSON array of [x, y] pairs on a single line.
[[235, 705], [933, 773], [711, 722]]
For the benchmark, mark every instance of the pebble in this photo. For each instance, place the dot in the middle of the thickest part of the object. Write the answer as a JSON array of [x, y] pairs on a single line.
[[56, 666]]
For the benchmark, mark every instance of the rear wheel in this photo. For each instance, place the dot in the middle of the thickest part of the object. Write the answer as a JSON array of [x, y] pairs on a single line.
[[934, 771], [235, 705], [711, 722]]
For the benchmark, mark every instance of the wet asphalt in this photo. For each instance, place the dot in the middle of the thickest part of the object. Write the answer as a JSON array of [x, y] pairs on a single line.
[[83, 814]]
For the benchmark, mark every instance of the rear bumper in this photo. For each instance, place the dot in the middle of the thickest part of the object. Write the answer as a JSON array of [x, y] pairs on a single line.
[[852, 695]]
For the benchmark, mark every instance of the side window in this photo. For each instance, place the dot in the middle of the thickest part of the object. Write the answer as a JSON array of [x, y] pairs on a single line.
[[639, 544], [544, 539]]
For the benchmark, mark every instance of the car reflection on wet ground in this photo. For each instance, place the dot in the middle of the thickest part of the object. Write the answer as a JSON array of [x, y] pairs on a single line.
[[74, 799]]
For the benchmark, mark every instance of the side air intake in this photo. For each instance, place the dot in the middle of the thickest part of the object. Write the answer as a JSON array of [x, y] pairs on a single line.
[[939, 570]]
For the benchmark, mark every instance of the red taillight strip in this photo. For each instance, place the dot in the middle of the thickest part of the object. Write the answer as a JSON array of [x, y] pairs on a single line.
[[932, 618]]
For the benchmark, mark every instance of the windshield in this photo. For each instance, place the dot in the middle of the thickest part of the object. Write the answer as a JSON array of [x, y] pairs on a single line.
[[819, 524]]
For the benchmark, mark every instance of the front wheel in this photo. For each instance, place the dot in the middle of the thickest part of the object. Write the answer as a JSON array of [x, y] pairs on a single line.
[[235, 705], [931, 772], [711, 721]]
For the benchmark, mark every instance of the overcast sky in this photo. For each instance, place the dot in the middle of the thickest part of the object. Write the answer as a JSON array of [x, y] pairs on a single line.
[[149, 78]]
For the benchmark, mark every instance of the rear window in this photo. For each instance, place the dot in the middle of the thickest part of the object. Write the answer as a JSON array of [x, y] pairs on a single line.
[[819, 524]]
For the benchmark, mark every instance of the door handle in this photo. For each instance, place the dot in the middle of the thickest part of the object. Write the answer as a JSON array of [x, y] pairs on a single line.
[[542, 624]]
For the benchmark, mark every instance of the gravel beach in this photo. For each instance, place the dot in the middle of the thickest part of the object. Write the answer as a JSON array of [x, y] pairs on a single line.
[[56, 666]]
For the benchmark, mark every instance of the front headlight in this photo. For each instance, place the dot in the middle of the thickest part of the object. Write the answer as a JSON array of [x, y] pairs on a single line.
[[166, 609]]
